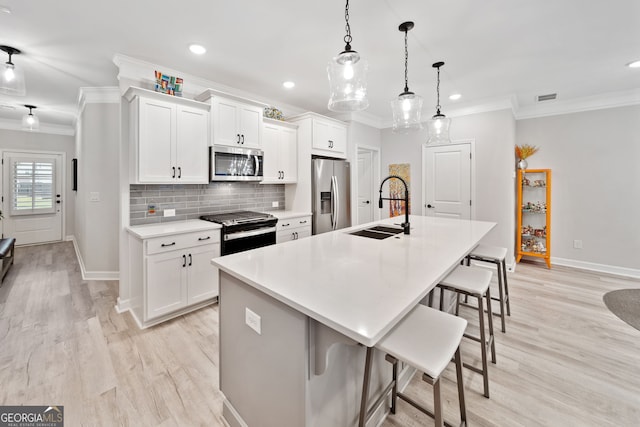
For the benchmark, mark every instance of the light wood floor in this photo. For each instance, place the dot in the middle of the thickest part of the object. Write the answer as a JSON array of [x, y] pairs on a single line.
[[564, 361]]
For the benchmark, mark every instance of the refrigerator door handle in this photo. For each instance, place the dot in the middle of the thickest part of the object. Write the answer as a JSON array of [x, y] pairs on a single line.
[[337, 205], [333, 203]]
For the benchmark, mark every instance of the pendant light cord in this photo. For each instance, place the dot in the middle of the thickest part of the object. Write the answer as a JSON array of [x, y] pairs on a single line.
[[347, 38], [406, 63], [438, 92]]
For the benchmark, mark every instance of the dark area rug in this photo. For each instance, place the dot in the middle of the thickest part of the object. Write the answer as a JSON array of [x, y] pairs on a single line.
[[625, 303]]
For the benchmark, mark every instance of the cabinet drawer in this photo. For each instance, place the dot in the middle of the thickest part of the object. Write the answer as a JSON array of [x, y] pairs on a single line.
[[181, 241], [289, 223]]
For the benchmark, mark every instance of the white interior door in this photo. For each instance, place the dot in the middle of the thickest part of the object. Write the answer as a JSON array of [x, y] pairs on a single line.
[[32, 196], [365, 187], [447, 180]]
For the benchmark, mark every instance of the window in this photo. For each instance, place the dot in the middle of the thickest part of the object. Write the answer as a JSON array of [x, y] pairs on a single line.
[[32, 186]]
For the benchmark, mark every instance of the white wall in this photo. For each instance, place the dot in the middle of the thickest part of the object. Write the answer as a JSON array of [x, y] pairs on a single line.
[[37, 141], [361, 135], [98, 172], [595, 158], [494, 134]]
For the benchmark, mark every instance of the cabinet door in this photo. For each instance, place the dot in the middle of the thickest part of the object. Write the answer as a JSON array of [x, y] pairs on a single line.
[[250, 126], [321, 135], [271, 148], [191, 155], [289, 155], [225, 122], [338, 135], [285, 236], [203, 277], [303, 232], [156, 141], [166, 283]]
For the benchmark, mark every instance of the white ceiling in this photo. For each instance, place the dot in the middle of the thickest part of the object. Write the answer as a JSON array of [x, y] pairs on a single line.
[[493, 49]]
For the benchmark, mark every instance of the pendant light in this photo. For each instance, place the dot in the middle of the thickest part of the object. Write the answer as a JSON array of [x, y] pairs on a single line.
[[30, 121], [438, 125], [347, 76], [12, 78], [408, 106]]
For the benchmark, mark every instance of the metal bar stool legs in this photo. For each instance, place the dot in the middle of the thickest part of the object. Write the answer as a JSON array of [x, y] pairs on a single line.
[[426, 339], [496, 255], [472, 282]]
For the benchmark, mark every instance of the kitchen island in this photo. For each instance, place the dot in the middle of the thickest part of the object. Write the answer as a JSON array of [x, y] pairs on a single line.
[[296, 317]]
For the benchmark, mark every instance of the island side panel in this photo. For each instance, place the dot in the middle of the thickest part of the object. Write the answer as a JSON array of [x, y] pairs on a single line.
[[262, 376]]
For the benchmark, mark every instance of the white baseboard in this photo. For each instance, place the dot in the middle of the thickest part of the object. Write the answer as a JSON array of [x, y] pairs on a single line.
[[92, 275], [123, 305], [601, 268]]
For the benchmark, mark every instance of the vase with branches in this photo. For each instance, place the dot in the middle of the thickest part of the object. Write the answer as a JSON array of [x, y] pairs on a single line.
[[522, 152]]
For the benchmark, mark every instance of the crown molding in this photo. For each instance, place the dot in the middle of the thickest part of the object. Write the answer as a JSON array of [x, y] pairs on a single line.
[[97, 95], [46, 128], [577, 105], [141, 73]]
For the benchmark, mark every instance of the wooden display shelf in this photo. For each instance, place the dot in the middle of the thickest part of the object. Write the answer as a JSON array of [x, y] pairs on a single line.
[[534, 191]]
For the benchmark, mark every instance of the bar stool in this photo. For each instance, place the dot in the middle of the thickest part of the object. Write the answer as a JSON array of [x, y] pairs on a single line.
[[426, 339], [474, 282], [495, 255]]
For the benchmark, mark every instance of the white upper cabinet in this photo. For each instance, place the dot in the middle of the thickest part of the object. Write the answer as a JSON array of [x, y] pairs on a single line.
[[324, 135], [235, 121], [280, 140], [169, 139], [329, 138]]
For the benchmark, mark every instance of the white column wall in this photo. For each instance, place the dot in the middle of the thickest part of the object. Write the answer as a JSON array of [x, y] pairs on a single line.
[[98, 172]]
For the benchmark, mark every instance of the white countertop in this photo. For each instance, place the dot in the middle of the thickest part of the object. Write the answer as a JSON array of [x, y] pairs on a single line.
[[288, 214], [358, 286], [168, 228]]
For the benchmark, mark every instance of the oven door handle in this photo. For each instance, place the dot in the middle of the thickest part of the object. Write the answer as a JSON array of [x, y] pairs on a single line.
[[251, 233]]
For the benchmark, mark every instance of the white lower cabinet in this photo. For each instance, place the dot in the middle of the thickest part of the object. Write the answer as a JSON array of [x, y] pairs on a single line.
[[176, 275], [293, 228]]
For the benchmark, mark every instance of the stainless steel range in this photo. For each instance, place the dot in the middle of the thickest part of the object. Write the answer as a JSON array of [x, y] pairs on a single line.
[[244, 230]]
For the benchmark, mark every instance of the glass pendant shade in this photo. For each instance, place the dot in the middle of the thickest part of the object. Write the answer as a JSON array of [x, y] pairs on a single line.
[[12, 78], [348, 82], [407, 108], [29, 121], [438, 127]]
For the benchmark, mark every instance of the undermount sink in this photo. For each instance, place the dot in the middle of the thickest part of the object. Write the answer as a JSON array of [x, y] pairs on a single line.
[[379, 232]]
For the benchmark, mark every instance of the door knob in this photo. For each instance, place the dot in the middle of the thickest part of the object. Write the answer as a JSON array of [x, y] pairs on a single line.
[[367, 202], [431, 206]]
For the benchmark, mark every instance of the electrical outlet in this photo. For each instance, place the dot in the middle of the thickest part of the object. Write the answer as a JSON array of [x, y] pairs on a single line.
[[577, 244], [169, 212], [252, 320], [274, 204]]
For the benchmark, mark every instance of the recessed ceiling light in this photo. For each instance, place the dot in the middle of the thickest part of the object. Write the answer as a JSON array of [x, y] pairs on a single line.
[[197, 49], [455, 96], [289, 85], [634, 64]]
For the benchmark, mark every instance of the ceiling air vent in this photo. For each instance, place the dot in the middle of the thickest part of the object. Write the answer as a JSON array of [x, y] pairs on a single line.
[[547, 97]]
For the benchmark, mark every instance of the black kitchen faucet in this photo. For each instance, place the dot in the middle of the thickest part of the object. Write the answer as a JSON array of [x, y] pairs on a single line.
[[405, 224]]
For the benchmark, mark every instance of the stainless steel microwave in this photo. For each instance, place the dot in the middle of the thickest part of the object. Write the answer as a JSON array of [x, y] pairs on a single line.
[[236, 164]]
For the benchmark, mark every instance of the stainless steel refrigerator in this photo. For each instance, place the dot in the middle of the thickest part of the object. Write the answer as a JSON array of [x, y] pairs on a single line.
[[331, 194]]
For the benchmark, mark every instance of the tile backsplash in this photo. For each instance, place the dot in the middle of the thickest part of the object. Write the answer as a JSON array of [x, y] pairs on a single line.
[[191, 201]]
